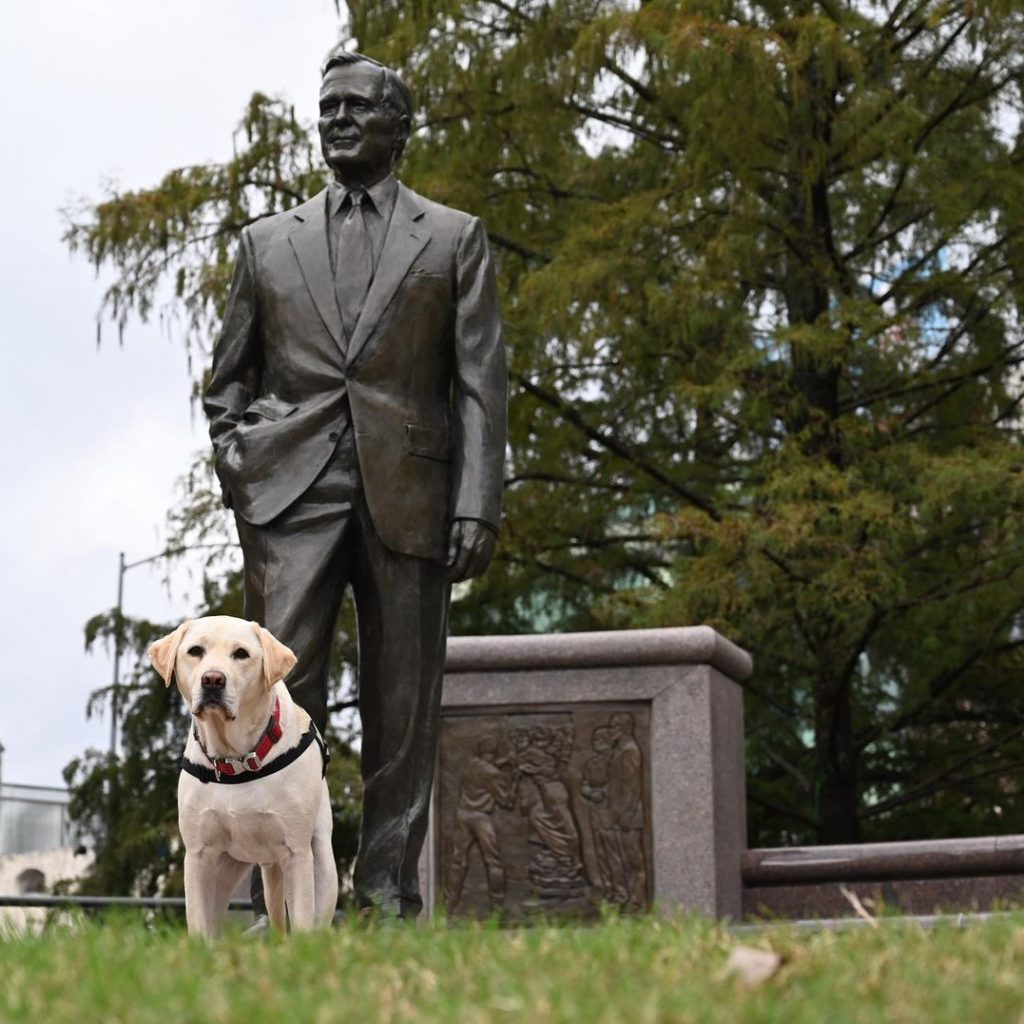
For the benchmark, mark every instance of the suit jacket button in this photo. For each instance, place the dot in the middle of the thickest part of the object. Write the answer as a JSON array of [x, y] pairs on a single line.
[[332, 436]]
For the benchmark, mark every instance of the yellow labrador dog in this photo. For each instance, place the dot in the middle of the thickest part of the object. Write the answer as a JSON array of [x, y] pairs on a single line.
[[252, 787]]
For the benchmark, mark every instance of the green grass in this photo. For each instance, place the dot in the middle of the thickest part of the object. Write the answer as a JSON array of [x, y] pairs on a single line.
[[620, 970]]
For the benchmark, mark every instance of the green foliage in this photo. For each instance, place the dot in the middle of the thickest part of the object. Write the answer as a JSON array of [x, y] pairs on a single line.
[[620, 971], [762, 270], [183, 232], [761, 266]]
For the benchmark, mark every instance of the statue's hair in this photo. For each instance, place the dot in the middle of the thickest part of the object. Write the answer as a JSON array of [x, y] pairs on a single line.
[[396, 92]]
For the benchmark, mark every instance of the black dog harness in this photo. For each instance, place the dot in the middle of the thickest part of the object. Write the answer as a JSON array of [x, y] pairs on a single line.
[[229, 770]]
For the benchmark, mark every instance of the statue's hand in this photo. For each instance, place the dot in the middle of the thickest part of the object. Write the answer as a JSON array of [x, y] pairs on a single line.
[[470, 549]]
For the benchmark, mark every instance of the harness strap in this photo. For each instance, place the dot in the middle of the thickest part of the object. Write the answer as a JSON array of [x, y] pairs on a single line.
[[204, 774]]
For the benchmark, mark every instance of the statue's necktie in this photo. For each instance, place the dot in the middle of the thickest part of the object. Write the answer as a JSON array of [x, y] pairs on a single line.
[[355, 262]]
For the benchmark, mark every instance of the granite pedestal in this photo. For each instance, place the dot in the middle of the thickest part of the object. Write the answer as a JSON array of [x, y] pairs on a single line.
[[583, 769]]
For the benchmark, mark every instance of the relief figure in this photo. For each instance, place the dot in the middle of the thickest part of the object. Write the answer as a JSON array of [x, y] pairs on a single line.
[[609, 877], [555, 867], [626, 808], [488, 782]]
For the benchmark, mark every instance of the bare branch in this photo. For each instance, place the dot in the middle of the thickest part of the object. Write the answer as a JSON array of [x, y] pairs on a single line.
[[613, 444]]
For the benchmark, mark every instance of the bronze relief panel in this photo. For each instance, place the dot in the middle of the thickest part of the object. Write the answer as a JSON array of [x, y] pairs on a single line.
[[544, 812]]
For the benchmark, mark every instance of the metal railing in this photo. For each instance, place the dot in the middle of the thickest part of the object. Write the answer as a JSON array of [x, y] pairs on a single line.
[[106, 902]]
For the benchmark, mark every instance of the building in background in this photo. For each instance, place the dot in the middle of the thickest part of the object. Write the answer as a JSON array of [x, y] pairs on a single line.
[[37, 845], [33, 818]]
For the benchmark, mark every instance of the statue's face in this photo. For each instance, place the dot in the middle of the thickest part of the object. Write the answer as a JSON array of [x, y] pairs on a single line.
[[359, 133]]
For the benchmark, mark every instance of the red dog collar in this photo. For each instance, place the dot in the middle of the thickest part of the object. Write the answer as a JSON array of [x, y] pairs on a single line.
[[253, 761]]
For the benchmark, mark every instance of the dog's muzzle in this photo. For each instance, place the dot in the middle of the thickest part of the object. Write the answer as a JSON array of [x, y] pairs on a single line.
[[212, 704]]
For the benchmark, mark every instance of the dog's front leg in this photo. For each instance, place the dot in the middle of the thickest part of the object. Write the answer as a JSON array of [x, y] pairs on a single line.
[[273, 891], [298, 887], [325, 870], [202, 906]]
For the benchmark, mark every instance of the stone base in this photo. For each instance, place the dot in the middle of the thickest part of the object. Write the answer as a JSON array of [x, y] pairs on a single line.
[[584, 769], [968, 895], [918, 877]]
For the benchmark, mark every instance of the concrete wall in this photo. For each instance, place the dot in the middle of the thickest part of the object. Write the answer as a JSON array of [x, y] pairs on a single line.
[[19, 870]]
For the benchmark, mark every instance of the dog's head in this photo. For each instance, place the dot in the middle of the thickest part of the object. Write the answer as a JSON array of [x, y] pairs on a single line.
[[221, 664]]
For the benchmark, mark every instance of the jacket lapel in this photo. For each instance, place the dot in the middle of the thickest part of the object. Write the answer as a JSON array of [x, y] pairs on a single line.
[[405, 240], [309, 241]]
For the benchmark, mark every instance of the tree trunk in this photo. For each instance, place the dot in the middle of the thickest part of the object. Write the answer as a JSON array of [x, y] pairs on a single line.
[[836, 794]]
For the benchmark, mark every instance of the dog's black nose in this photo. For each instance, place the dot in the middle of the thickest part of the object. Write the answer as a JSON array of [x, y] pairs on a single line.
[[213, 680]]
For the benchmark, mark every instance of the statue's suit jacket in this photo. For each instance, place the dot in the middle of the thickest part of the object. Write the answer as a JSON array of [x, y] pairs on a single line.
[[421, 379]]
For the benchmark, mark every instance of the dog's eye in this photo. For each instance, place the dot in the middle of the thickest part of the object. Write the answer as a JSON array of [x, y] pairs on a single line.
[[239, 654], [196, 652]]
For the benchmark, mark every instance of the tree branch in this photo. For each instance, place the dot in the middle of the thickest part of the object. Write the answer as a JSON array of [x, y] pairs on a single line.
[[617, 447], [520, 250], [788, 812], [944, 779]]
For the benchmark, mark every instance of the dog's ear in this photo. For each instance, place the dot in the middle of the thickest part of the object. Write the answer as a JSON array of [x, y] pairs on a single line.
[[164, 652], [278, 660]]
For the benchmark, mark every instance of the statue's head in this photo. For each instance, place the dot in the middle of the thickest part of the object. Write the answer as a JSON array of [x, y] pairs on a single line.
[[487, 747], [622, 724], [365, 114]]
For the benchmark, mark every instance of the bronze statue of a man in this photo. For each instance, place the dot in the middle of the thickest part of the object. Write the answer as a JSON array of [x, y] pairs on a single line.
[[357, 410]]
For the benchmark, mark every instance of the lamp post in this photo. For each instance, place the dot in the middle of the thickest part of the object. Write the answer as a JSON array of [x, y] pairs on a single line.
[[115, 689], [122, 568]]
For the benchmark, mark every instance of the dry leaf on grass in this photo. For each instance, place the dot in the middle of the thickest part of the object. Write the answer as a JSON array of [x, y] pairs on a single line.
[[858, 906], [752, 967]]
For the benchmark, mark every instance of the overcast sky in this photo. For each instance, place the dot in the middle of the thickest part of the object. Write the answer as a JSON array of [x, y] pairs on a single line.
[[93, 441]]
